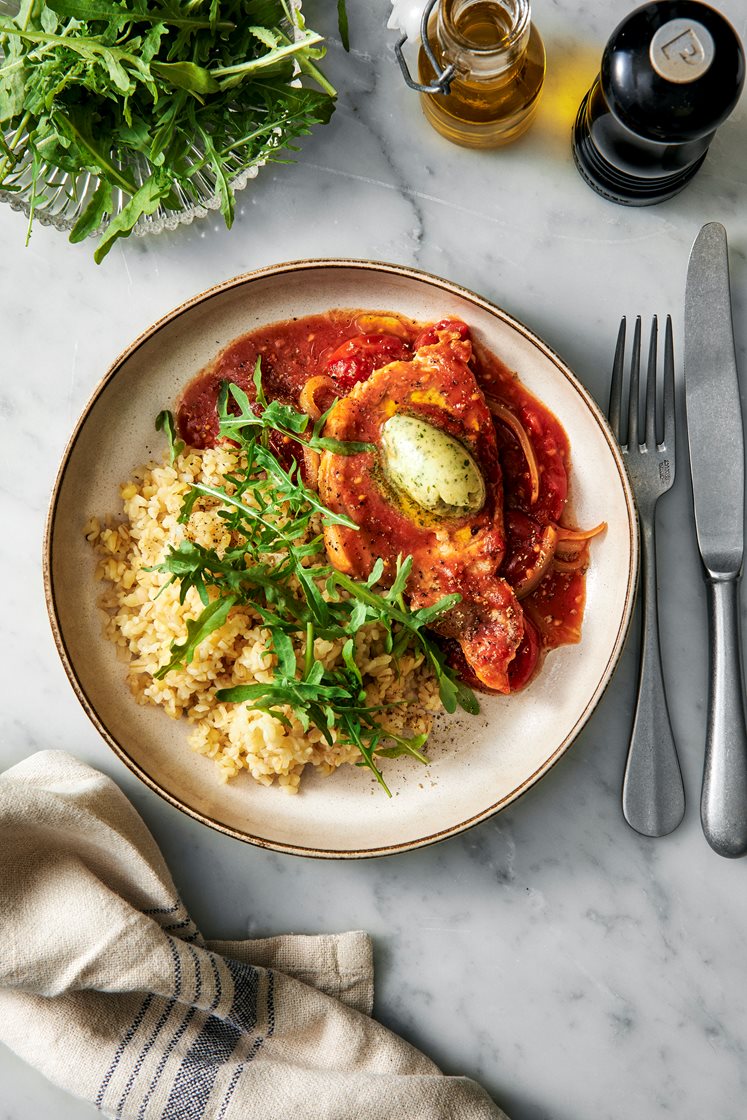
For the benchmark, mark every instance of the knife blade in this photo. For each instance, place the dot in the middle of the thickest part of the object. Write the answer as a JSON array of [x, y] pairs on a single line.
[[716, 443], [714, 413]]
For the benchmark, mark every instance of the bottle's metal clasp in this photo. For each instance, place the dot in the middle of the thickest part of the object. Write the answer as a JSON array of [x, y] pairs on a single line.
[[442, 81]]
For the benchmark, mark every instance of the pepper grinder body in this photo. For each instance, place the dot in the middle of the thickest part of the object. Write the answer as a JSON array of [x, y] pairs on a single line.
[[671, 73]]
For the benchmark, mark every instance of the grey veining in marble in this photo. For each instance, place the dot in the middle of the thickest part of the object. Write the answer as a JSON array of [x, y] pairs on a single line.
[[592, 974]]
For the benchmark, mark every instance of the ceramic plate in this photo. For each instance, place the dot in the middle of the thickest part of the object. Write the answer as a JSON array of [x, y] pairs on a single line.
[[479, 764]]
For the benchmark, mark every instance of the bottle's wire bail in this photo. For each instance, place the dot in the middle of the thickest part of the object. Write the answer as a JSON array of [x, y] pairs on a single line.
[[442, 82]]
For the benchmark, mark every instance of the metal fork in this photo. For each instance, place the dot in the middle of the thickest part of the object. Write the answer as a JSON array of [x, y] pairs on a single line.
[[653, 794]]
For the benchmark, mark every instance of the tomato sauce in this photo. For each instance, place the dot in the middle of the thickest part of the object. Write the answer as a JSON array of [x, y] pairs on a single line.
[[346, 347]]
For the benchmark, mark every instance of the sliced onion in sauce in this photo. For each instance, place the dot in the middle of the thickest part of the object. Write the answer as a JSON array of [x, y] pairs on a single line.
[[307, 399], [580, 535], [507, 417], [570, 565], [548, 628], [382, 324], [533, 575]]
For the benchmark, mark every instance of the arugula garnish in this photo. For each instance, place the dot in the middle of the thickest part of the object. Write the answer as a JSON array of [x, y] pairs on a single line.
[[277, 417], [198, 629], [148, 97], [165, 423], [343, 24], [284, 576]]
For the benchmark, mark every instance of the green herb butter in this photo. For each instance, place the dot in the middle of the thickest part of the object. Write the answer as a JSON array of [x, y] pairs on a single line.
[[433, 468]]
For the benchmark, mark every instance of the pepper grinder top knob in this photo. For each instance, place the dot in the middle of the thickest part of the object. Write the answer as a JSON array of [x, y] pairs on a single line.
[[671, 73]]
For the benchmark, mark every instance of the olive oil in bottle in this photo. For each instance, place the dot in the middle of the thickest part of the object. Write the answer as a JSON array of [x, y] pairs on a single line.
[[499, 67]]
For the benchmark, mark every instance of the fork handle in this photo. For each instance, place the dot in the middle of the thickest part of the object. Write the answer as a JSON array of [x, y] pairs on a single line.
[[723, 805], [653, 793]]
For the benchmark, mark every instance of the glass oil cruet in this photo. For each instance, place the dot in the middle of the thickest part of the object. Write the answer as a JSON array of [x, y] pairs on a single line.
[[481, 68]]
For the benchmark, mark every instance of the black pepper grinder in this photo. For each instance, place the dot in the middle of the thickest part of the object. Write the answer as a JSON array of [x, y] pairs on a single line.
[[671, 73]]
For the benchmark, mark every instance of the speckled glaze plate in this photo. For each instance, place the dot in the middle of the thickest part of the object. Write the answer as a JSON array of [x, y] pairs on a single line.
[[479, 764]]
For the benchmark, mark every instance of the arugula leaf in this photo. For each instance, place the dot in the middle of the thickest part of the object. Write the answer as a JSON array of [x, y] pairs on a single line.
[[76, 127], [376, 573], [453, 692], [397, 590], [236, 73], [428, 615], [222, 182], [410, 746], [98, 206], [339, 446], [12, 86], [278, 417], [283, 418], [342, 23], [466, 697], [243, 400], [348, 656], [144, 201], [285, 654], [165, 423], [212, 618], [186, 75]]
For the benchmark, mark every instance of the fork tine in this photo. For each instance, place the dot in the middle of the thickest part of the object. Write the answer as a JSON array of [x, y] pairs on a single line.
[[616, 385], [669, 417], [650, 438], [635, 380]]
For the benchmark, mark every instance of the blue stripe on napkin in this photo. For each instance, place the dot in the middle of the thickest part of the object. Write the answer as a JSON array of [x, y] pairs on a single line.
[[148, 1046], [128, 1036], [215, 1044], [256, 1047], [170, 1005], [168, 1050], [217, 1041]]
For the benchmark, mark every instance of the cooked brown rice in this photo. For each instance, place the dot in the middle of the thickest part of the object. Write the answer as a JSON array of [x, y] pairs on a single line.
[[144, 623]]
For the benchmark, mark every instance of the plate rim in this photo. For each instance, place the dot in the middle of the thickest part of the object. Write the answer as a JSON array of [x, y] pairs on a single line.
[[432, 280]]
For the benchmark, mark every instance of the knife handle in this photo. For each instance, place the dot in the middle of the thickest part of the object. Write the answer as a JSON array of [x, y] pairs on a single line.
[[723, 806], [653, 796]]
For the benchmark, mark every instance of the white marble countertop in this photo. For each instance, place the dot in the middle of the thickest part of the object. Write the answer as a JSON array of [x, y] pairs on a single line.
[[579, 971]]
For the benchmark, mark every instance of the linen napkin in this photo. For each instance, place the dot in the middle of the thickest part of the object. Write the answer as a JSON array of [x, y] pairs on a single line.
[[108, 988]]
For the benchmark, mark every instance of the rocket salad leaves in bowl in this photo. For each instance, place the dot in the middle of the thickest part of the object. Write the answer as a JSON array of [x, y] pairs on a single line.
[[123, 116]]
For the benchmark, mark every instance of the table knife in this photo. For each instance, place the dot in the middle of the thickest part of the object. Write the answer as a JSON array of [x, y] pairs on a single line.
[[716, 442]]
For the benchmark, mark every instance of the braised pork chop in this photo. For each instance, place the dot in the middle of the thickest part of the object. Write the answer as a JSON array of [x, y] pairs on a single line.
[[452, 550]]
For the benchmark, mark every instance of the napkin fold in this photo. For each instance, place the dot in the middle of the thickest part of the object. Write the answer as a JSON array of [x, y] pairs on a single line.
[[108, 988]]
